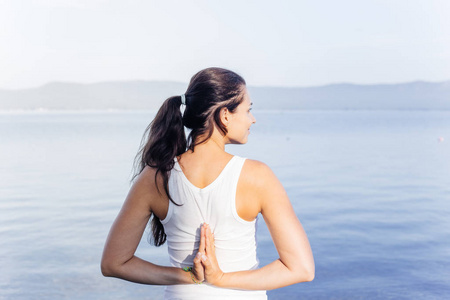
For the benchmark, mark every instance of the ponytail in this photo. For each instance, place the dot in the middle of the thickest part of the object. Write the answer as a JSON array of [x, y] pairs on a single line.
[[163, 140]]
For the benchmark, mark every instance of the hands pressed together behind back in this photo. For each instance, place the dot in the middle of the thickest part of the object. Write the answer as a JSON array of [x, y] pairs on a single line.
[[206, 267]]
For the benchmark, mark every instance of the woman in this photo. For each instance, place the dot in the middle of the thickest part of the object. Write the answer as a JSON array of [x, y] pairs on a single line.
[[192, 194]]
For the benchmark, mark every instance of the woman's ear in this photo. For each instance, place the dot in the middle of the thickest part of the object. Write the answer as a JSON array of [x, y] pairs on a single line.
[[224, 116]]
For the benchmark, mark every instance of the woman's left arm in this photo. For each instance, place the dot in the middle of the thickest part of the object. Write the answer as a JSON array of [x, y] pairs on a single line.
[[295, 263]]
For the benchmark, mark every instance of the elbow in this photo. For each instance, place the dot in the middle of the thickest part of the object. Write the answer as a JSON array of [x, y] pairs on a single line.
[[107, 268], [302, 272], [309, 275], [309, 270], [305, 274]]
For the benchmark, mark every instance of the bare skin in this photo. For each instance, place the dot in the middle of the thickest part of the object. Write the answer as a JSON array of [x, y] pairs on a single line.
[[258, 191]]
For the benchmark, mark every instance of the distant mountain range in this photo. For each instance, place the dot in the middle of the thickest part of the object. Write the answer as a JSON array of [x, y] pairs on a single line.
[[129, 95]]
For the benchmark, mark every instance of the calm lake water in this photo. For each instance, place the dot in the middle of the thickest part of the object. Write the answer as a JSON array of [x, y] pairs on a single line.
[[372, 190]]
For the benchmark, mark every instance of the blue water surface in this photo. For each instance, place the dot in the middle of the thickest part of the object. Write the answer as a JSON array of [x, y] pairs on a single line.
[[371, 189]]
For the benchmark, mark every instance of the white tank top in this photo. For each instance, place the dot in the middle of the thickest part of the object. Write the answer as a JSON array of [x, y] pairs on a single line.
[[234, 237]]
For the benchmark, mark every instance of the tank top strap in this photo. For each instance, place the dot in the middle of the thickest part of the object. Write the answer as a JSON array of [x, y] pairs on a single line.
[[232, 177], [235, 169]]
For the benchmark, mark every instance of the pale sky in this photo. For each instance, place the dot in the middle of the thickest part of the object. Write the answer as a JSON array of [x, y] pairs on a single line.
[[271, 43]]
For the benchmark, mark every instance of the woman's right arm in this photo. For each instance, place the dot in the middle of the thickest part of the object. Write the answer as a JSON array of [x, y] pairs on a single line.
[[295, 263], [118, 258]]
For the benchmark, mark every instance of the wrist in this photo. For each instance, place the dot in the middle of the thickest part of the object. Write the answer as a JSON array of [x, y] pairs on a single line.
[[192, 278], [221, 280]]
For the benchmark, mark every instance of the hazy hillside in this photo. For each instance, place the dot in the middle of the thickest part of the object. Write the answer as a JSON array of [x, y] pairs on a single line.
[[150, 94], [414, 95], [104, 95]]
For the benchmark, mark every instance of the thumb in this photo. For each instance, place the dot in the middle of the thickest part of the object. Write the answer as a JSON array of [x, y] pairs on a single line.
[[198, 267], [198, 262], [198, 258], [205, 261]]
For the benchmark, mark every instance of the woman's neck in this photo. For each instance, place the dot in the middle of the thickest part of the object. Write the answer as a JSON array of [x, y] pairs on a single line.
[[214, 146]]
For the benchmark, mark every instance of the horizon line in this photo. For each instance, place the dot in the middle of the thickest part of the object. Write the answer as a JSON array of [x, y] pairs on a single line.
[[186, 83]]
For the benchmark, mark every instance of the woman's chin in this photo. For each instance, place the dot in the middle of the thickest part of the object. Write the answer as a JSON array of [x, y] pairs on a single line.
[[239, 142]]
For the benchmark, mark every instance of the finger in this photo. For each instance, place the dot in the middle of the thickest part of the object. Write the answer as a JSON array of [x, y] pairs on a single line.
[[197, 258], [201, 247], [209, 245], [205, 262], [198, 267], [207, 241], [212, 242]]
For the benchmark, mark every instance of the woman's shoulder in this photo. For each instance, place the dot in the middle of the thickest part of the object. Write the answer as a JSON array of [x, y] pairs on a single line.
[[146, 179], [255, 165], [257, 185], [257, 173], [146, 173]]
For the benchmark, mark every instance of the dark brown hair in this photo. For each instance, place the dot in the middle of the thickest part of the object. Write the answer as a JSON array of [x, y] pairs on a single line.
[[208, 92]]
